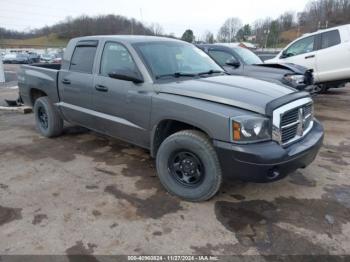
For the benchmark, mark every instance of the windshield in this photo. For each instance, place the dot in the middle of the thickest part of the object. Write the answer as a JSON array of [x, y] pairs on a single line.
[[248, 56], [166, 58], [46, 56]]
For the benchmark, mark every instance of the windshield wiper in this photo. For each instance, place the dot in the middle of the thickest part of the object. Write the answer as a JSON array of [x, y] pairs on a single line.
[[176, 74], [210, 72]]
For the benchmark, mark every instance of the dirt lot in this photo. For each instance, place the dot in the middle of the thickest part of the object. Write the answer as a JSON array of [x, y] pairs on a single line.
[[88, 194]]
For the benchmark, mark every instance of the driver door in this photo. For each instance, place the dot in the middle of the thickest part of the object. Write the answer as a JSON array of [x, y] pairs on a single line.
[[222, 57], [123, 106], [302, 52]]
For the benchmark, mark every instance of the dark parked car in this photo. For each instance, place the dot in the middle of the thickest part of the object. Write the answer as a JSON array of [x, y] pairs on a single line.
[[241, 61], [201, 124], [33, 57]]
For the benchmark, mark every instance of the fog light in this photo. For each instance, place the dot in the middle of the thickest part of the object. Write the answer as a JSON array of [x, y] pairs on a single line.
[[273, 174]]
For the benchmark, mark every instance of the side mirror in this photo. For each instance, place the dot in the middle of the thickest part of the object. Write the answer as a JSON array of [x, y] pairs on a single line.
[[233, 62], [285, 54], [127, 75]]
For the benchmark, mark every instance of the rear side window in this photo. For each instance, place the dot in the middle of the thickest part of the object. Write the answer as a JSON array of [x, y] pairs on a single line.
[[330, 38], [83, 59]]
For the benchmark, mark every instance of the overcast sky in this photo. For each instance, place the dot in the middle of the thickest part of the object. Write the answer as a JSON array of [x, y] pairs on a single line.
[[175, 16]]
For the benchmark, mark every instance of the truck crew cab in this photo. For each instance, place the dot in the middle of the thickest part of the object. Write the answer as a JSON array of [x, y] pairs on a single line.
[[169, 97]]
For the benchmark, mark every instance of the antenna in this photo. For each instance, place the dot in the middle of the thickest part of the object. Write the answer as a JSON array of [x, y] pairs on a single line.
[[141, 15]]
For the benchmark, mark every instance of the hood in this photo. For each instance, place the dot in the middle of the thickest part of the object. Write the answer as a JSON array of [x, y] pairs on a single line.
[[262, 70], [285, 68], [238, 91]]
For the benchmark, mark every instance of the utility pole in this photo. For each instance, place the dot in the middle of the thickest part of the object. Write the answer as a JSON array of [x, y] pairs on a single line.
[[267, 32], [2, 73]]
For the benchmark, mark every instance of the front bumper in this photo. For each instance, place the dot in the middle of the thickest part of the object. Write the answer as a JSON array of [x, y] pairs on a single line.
[[268, 161]]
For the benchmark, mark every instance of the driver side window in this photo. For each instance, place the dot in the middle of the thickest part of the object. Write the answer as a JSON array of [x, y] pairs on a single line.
[[221, 57], [302, 46], [116, 57]]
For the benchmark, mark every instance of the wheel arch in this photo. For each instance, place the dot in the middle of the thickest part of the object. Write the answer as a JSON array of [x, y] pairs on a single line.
[[166, 127], [35, 93]]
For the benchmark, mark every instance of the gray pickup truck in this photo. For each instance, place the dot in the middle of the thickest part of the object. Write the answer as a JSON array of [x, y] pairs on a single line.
[[165, 95]]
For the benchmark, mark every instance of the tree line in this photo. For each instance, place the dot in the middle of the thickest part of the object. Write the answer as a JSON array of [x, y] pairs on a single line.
[[268, 32], [86, 25]]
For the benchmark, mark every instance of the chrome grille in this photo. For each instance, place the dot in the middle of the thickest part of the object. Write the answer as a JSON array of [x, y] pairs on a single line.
[[292, 121], [289, 133], [290, 117]]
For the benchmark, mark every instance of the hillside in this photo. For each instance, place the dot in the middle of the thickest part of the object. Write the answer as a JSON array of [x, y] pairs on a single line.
[[57, 34], [52, 40]]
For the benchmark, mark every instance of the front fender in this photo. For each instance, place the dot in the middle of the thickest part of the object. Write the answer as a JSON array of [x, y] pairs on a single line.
[[210, 117]]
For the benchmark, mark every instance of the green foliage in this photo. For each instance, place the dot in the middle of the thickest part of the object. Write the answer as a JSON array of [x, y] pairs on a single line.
[[244, 32], [188, 36]]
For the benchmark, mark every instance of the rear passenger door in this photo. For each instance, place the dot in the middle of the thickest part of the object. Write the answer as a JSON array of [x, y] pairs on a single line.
[[123, 106], [76, 84], [331, 61]]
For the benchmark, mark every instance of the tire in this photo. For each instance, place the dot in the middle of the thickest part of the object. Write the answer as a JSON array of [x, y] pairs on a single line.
[[194, 147], [322, 89], [44, 110]]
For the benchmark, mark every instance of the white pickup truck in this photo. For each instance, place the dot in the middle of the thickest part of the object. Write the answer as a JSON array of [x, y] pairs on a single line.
[[327, 52]]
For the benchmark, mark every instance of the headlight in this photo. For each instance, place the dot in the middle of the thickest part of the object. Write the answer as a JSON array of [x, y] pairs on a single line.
[[246, 129], [295, 80]]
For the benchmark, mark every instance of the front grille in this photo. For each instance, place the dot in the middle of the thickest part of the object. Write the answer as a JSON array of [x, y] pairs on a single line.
[[290, 117], [307, 110], [292, 121], [289, 133]]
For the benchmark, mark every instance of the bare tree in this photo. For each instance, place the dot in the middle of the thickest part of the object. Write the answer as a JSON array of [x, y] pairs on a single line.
[[156, 29], [208, 37], [287, 20], [229, 29]]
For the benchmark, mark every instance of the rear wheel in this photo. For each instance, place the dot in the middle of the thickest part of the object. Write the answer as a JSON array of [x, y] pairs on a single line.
[[47, 119], [188, 166], [322, 88]]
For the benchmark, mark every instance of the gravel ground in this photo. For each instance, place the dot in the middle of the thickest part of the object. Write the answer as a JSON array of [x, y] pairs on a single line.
[[83, 193]]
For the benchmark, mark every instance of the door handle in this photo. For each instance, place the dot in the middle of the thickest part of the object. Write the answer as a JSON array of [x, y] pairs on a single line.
[[66, 81], [101, 88], [309, 56]]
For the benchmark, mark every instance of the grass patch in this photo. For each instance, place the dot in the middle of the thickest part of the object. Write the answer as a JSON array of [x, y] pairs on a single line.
[[43, 41]]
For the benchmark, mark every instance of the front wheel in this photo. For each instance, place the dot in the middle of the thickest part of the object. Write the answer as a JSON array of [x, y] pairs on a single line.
[[188, 166], [47, 119]]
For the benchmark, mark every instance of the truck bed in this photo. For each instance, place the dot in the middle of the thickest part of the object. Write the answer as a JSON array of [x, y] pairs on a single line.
[[38, 78]]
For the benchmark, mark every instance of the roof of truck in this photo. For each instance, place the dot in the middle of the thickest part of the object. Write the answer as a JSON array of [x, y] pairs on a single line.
[[127, 38], [326, 30]]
